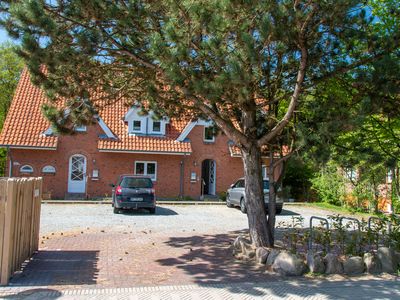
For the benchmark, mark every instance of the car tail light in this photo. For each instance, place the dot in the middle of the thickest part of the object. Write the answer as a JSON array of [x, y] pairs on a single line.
[[118, 191]]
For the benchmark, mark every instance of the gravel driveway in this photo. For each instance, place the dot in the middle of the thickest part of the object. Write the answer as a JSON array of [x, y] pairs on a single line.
[[168, 219]]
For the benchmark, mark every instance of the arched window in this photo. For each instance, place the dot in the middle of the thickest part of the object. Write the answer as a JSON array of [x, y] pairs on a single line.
[[26, 169], [49, 169]]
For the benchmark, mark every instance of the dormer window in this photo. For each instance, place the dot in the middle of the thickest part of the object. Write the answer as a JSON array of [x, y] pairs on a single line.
[[144, 124], [137, 125], [156, 126]]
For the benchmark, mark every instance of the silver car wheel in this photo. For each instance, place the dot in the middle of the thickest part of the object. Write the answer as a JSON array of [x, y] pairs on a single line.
[[228, 201], [243, 208]]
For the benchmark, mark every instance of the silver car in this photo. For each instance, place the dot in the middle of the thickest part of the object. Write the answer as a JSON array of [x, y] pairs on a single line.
[[235, 196]]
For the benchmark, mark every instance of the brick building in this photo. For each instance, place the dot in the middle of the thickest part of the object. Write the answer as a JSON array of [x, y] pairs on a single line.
[[181, 155]]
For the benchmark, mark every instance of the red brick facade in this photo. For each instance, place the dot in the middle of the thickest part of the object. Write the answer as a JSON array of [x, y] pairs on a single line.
[[111, 165], [174, 148]]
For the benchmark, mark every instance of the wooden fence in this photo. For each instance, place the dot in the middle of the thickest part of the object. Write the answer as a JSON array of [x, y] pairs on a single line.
[[20, 200]]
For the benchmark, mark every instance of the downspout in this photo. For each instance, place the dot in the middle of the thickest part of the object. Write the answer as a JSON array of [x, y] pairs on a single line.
[[182, 177], [10, 168]]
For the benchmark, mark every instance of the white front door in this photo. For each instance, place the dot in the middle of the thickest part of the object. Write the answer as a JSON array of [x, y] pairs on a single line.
[[212, 178], [77, 174]]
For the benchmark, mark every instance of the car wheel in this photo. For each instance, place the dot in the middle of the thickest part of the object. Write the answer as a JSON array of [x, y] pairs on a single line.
[[152, 210], [278, 211], [117, 210], [243, 208], [228, 201]]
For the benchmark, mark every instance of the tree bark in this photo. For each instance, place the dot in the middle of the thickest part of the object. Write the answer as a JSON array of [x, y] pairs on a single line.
[[272, 197], [260, 234]]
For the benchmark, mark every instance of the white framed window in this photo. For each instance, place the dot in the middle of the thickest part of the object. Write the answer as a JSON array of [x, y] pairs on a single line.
[[146, 168], [49, 169], [136, 125], [209, 136], [156, 126], [81, 128], [26, 169]]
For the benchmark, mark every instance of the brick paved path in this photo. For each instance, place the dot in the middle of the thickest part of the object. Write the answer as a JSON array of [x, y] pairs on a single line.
[[189, 250], [131, 258], [294, 289]]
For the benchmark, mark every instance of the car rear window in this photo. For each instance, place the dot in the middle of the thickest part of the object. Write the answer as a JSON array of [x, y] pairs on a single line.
[[133, 183], [266, 185]]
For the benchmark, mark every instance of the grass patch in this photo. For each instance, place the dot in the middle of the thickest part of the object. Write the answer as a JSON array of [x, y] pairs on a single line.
[[340, 209]]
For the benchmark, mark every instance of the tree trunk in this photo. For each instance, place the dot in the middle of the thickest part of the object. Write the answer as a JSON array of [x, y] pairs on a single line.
[[259, 232], [272, 197]]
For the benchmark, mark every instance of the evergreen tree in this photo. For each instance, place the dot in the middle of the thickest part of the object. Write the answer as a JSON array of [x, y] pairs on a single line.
[[243, 64], [10, 69]]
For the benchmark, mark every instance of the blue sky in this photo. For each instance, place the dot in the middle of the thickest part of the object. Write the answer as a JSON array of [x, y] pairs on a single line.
[[4, 36]]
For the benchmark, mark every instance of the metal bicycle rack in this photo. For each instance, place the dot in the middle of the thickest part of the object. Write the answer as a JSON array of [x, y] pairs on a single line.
[[310, 240], [389, 224], [359, 228]]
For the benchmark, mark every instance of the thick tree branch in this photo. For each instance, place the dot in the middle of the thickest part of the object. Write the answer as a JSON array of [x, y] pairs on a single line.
[[226, 126]]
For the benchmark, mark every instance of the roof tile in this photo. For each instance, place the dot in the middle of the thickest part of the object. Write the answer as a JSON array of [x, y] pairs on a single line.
[[25, 124]]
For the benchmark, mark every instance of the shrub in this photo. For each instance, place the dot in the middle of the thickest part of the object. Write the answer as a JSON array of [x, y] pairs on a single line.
[[329, 185]]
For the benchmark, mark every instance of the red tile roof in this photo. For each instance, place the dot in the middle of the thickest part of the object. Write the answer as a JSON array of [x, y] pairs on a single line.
[[113, 117], [25, 124]]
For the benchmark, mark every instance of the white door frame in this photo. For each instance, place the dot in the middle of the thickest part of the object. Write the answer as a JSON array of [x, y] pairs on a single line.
[[77, 186]]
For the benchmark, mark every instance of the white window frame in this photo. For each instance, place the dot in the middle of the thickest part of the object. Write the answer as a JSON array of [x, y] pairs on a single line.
[[142, 125], [49, 169], [204, 135], [145, 168], [162, 127], [26, 171], [80, 128]]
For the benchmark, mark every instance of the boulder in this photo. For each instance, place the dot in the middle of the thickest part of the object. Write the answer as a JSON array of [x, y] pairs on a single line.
[[272, 256], [262, 255], [353, 265], [333, 264], [288, 264], [315, 263], [397, 257], [387, 258], [372, 263]]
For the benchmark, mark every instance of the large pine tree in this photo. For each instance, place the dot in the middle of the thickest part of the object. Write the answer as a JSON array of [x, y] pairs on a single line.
[[243, 64]]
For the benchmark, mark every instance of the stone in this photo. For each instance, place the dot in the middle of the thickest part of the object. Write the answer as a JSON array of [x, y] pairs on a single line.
[[239, 241], [315, 263], [372, 263], [353, 265], [272, 256], [242, 247], [387, 258], [333, 264], [262, 255], [397, 258], [289, 264]]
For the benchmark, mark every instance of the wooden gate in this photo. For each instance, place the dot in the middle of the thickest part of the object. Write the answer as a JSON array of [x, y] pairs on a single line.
[[20, 200]]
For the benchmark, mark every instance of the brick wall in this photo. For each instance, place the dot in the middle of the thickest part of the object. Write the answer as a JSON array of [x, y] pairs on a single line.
[[110, 165]]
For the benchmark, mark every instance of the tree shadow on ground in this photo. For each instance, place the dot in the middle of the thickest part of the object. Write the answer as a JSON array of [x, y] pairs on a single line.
[[209, 260], [48, 268], [160, 211], [35, 294], [285, 212]]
